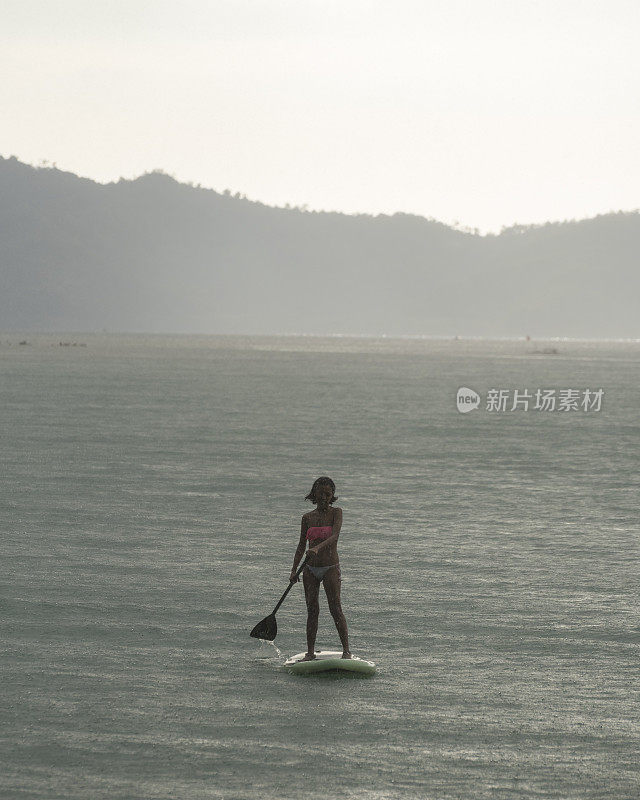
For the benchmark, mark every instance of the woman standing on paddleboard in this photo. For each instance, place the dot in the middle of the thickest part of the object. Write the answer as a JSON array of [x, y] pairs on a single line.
[[321, 529]]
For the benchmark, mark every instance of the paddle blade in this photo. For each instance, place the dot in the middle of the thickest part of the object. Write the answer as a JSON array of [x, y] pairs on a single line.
[[266, 629]]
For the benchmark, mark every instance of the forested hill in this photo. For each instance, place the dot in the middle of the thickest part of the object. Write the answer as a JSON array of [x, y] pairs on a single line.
[[156, 255]]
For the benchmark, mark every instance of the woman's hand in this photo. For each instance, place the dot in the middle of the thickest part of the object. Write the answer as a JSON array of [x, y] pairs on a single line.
[[293, 578]]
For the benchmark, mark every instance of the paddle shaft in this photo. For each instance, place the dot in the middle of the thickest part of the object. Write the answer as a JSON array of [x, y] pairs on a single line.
[[302, 566]]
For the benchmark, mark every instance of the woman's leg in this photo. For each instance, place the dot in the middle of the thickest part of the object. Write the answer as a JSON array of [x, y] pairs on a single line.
[[332, 583], [311, 588]]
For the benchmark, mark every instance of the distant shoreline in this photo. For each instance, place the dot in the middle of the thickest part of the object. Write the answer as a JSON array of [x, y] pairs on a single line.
[[64, 335]]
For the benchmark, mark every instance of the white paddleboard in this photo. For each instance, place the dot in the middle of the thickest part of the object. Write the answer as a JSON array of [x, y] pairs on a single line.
[[327, 660]]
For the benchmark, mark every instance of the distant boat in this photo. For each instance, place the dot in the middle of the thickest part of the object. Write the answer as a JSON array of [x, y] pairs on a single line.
[[546, 351]]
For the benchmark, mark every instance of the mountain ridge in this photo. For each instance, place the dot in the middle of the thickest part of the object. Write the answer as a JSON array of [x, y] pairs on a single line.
[[152, 254]]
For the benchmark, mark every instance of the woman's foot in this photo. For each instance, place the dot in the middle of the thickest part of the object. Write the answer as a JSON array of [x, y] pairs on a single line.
[[309, 656], [346, 654]]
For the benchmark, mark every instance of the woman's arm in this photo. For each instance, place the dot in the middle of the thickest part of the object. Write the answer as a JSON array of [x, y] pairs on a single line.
[[335, 532], [302, 544]]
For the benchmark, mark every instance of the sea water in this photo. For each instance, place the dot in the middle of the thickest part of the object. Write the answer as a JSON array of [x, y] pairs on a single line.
[[152, 493]]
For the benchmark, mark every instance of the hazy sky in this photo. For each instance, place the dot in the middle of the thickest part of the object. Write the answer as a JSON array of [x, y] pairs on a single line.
[[485, 112]]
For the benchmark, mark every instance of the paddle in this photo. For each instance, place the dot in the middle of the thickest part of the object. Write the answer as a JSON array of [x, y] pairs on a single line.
[[267, 628]]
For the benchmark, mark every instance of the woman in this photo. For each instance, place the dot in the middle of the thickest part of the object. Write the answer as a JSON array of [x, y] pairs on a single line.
[[321, 529]]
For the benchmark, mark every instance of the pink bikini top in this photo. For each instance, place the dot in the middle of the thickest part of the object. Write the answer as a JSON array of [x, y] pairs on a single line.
[[319, 534]]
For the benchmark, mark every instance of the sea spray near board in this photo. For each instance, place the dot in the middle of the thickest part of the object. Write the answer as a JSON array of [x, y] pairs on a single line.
[[328, 660]]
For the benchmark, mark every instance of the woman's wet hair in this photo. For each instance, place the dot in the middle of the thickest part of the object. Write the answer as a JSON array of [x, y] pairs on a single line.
[[324, 481]]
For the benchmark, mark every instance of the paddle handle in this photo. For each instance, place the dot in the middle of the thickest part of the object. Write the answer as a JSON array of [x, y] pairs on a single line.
[[290, 586]]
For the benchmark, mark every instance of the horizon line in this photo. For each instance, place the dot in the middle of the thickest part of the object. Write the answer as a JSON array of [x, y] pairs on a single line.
[[402, 336]]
